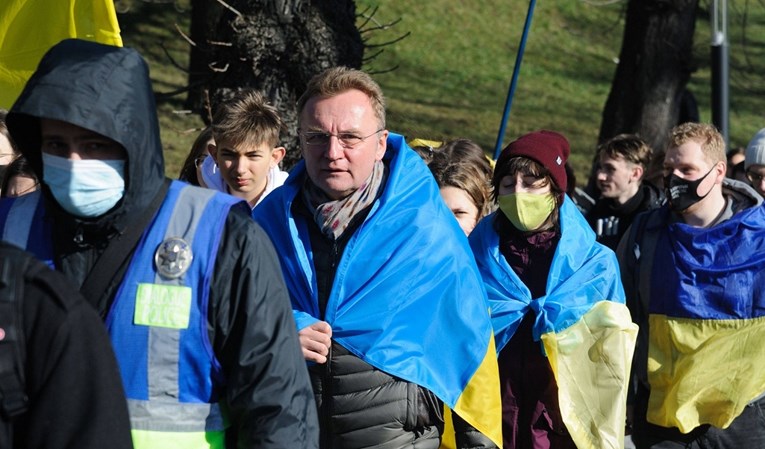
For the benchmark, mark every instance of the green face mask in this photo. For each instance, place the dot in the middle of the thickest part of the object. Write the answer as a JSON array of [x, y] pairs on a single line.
[[527, 211]]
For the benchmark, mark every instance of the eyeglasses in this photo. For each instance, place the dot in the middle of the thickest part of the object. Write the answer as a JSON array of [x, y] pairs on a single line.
[[321, 139], [199, 160], [754, 178]]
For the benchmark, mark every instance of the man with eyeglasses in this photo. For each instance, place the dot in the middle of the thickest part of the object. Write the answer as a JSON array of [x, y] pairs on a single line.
[[388, 301], [754, 162]]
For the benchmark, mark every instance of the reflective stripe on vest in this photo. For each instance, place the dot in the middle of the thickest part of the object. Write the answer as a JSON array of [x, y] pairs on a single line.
[[159, 328]]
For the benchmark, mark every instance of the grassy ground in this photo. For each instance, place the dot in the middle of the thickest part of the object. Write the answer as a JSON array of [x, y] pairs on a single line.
[[454, 69]]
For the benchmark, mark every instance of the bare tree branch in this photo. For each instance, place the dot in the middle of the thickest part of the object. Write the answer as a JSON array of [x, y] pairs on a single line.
[[400, 38], [378, 72], [172, 60], [183, 35], [231, 8], [373, 56], [216, 69], [380, 27], [369, 17]]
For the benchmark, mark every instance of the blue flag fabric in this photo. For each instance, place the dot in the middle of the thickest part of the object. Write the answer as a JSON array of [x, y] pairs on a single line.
[[582, 322], [707, 311], [583, 272], [407, 297], [711, 273]]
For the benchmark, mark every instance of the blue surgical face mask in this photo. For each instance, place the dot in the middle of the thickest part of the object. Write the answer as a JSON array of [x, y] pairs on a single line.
[[84, 188]]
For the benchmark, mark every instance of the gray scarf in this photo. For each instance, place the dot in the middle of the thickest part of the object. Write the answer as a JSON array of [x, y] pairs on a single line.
[[334, 216]]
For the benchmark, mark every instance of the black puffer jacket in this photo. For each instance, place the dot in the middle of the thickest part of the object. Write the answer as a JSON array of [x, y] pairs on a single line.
[[107, 90], [360, 406]]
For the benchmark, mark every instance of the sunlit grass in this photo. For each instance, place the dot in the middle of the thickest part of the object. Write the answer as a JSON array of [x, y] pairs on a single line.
[[455, 67]]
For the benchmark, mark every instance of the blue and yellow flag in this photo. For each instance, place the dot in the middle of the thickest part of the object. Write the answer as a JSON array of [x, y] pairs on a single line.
[[707, 322], [407, 298], [584, 326], [28, 28]]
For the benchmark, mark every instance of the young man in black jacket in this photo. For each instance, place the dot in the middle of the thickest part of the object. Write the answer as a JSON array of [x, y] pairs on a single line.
[[59, 382], [622, 162], [189, 286]]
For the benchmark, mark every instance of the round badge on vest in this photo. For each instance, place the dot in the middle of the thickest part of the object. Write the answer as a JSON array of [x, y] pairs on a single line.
[[173, 257]]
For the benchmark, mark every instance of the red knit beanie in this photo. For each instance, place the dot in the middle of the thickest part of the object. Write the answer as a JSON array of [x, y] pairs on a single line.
[[548, 148]]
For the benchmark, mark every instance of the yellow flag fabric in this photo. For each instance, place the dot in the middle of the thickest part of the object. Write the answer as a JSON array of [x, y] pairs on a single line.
[[597, 348], [703, 371], [480, 403], [448, 438], [707, 321], [28, 28]]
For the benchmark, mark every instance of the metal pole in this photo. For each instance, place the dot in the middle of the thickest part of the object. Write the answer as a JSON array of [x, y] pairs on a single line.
[[719, 63], [514, 80]]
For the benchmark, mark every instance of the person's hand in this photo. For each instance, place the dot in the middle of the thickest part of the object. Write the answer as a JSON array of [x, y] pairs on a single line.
[[315, 341]]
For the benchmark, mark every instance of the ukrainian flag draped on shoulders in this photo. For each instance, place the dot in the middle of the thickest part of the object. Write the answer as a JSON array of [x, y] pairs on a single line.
[[28, 28], [407, 297], [582, 321], [707, 322]]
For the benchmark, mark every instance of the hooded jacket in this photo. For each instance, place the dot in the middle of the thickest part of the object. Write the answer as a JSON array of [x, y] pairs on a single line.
[[666, 266], [107, 90]]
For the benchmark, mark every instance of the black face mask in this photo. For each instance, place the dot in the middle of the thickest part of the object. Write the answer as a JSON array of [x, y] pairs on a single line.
[[2, 172], [682, 193]]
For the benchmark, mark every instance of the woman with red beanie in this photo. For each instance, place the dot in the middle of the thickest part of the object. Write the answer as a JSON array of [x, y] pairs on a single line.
[[564, 336]]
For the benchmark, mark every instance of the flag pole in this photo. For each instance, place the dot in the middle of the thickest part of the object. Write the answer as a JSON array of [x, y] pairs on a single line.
[[514, 80]]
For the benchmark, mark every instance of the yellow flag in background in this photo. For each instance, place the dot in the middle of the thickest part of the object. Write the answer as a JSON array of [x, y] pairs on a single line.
[[28, 28]]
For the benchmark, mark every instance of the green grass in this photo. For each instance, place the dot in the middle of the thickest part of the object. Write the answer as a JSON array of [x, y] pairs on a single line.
[[454, 69]]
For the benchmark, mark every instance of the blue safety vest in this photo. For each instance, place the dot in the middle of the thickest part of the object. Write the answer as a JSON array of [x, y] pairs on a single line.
[[158, 324]]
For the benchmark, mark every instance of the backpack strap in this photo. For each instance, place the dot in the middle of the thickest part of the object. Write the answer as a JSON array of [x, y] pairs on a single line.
[[643, 239], [120, 249], [643, 249], [13, 397]]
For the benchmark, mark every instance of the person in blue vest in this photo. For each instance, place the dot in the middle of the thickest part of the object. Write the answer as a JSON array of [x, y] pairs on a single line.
[[188, 285], [390, 306]]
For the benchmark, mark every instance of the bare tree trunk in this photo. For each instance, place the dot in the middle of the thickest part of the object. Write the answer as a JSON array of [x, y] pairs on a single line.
[[655, 65], [274, 46]]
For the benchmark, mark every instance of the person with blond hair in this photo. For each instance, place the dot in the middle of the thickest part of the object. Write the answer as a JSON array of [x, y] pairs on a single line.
[[692, 272]]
